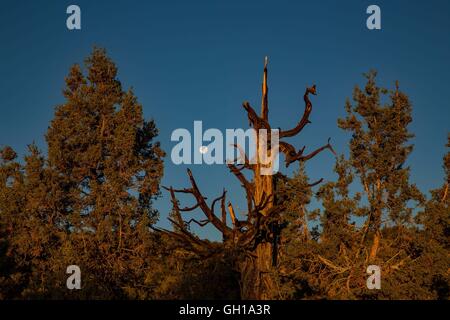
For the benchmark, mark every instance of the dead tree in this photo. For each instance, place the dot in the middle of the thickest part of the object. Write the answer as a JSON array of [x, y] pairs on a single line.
[[252, 241]]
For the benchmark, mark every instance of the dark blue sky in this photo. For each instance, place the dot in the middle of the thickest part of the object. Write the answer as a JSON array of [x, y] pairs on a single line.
[[199, 60]]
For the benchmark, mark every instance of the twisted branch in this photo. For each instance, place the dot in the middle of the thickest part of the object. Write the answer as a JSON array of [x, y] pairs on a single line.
[[305, 118]]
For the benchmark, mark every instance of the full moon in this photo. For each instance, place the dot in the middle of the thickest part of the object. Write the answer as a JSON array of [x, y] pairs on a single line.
[[203, 149]]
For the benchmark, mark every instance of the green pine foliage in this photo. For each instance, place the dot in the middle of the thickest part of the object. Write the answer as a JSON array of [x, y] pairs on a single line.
[[371, 215], [89, 201]]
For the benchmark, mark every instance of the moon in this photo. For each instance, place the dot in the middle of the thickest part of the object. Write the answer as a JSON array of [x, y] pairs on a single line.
[[203, 149]]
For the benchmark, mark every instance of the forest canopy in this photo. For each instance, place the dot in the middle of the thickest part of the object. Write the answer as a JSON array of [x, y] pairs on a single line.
[[89, 201]]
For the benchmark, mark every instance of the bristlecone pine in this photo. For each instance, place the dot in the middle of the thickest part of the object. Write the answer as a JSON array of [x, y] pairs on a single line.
[[253, 242]]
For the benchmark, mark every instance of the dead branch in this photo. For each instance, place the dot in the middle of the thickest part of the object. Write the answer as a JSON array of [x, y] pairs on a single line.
[[201, 223], [222, 197], [224, 212], [232, 215], [196, 245], [248, 186], [291, 155], [254, 120], [265, 91], [315, 183], [185, 209], [205, 208], [331, 265], [185, 190], [305, 118], [289, 152], [176, 209], [314, 153]]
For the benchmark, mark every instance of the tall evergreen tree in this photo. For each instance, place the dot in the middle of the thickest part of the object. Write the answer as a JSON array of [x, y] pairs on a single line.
[[90, 202], [368, 214], [378, 151], [374, 224]]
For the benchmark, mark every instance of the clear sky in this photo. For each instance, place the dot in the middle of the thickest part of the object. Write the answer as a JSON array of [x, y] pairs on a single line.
[[199, 60]]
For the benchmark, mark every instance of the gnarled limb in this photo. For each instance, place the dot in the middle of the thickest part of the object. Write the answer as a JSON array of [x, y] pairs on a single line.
[[201, 223], [185, 190], [221, 198], [291, 155], [315, 183], [205, 208], [248, 186], [289, 152], [186, 238], [254, 120], [314, 153], [201, 203], [305, 118], [186, 209]]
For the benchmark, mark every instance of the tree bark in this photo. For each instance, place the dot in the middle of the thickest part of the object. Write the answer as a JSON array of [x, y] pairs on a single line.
[[257, 281], [375, 245]]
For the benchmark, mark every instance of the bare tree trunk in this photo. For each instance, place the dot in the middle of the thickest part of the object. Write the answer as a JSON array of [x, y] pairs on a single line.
[[257, 282], [256, 270]]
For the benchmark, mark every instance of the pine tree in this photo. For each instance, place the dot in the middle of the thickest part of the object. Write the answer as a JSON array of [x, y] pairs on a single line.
[[378, 151], [375, 223], [110, 168], [89, 203]]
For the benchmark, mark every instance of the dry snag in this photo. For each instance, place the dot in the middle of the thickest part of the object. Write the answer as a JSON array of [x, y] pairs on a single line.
[[255, 238]]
